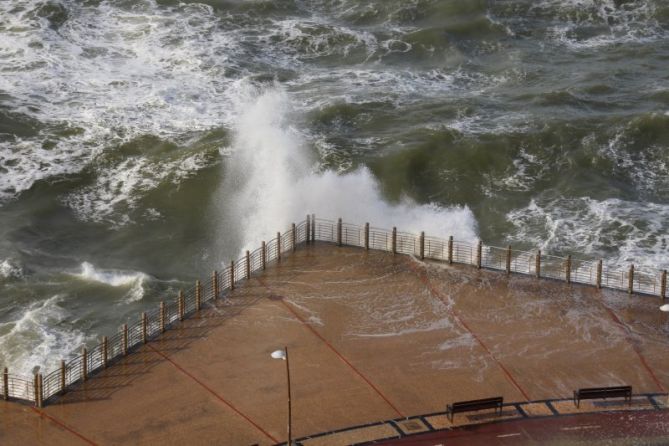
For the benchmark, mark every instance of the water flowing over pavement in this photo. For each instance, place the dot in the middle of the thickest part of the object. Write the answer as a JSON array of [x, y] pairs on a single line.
[[373, 336], [144, 142]]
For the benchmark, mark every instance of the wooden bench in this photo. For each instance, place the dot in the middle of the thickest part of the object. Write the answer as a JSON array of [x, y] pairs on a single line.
[[473, 405], [592, 393]]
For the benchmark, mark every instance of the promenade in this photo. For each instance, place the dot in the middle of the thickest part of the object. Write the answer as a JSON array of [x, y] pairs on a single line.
[[372, 336]]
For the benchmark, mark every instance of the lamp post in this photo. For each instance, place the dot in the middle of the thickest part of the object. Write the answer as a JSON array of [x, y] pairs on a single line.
[[283, 354]]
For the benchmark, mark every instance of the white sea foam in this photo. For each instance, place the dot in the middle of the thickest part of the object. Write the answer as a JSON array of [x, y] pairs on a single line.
[[621, 231], [271, 181], [132, 281], [597, 23], [10, 269], [107, 75], [38, 337]]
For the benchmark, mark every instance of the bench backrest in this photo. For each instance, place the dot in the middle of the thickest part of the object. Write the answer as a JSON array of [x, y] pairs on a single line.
[[477, 404], [604, 391]]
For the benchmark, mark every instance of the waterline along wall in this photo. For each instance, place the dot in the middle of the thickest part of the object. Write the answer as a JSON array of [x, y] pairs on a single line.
[[40, 388]]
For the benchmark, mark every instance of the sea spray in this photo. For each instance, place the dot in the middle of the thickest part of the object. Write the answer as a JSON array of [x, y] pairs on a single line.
[[272, 179]]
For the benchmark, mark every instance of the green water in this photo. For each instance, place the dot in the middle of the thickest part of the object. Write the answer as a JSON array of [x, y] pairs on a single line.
[[144, 143]]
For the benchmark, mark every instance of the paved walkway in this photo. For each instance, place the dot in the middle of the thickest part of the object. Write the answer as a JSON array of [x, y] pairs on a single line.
[[372, 337]]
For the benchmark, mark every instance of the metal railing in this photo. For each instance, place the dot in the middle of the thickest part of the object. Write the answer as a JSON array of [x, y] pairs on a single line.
[[150, 324]]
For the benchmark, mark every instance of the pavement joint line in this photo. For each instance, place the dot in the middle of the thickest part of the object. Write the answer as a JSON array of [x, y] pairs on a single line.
[[336, 352], [219, 397], [436, 293], [62, 424], [627, 332]]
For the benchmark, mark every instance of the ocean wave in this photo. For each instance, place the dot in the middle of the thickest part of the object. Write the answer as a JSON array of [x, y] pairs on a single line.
[[622, 232], [271, 180], [133, 281], [42, 335]]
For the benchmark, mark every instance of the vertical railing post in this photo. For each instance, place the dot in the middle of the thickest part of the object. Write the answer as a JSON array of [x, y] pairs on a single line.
[[450, 249], [35, 390], [537, 266], [37, 384], [422, 245], [198, 295], [313, 227], [247, 264], [5, 384], [339, 227], [84, 364], [263, 257], [479, 254], [40, 394], [367, 236], [293, 229], [63, 371], [508, 259], [214, 284], [663, 285], [278, 246], [630, 280], [125, 339], [307, 228], [144, 328], [394, 240], [162, 317], [105, 351], [568, 269], [232, 275], [181, 305], [599, 274]]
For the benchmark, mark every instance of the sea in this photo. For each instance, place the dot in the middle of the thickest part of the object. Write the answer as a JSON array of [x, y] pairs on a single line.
[[145, 143]]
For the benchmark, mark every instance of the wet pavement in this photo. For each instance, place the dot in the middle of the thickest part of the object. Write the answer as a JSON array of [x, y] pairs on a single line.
[[372, 337]]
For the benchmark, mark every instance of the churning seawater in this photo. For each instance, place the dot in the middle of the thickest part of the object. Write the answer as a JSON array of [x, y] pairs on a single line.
[[142, 143]]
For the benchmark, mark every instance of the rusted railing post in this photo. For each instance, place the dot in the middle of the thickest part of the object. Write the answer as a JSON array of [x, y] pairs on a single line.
[[630, 280], [181, 305], [198, 295], [84, 364], [248, 264], [339, 225], [63, 370], [293, 230], [450, 249], [278, 246], [162, 317], [479, 254], [263, 256], [367, 236], [307, 228], [537, 265], [232, 274], [598, 280], [63, 374], [144, 328], [214, 284], [568, 269], [105, 351], [663, 285], [422, 245], [313, 227], [39, 394], [508, 259], [394, 240], [5, 384], [125, 339]]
